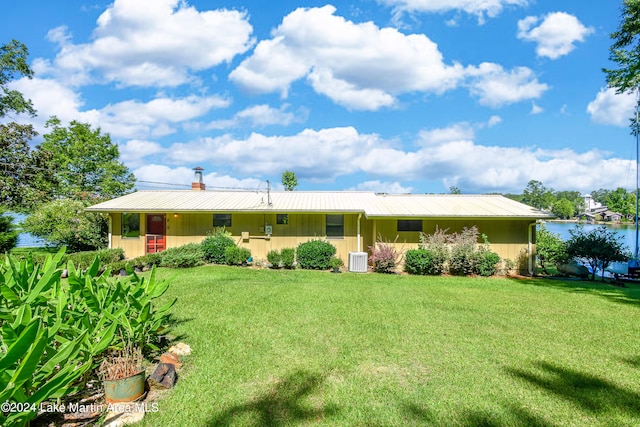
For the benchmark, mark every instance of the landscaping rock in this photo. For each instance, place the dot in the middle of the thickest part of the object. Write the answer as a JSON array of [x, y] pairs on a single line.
[[170, 358], [164, 375], [181, 349]]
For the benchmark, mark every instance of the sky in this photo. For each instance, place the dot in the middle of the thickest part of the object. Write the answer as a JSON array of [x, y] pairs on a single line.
[[395, 96]]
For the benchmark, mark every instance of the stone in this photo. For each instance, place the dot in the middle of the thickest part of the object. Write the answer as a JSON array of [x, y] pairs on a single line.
[[171, 358], [181, 349], [164, 375], [124, 414]]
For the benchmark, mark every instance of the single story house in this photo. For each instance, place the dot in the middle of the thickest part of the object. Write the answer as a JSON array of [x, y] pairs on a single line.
[[151, 221]]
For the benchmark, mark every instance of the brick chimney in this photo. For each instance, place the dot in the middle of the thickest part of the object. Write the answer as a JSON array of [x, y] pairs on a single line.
[[197, 184]]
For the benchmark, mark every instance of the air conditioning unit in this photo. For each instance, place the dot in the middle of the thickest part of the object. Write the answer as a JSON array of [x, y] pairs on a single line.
[[358, 262]]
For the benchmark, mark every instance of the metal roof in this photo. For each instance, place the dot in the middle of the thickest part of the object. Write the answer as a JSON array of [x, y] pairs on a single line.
[[368, 203]]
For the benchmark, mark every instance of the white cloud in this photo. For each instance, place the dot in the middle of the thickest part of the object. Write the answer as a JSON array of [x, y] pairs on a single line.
[[154, 176], [536, 109], [479, 8], [555, 36], [258, 116], [383, 187], [610, 108], [496, 87], [359, 66], [494, 121], [134, 151], [152, 43], [447, 155]]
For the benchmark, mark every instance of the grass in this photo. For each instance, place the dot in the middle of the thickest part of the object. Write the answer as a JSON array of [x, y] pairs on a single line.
[[314, 348]]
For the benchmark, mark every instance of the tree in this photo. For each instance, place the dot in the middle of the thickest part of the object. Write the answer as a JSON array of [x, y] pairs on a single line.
[[550, 248], [65, 222], [537, 195], [563, 208], [454, 190], [625, 50], [8, 233], [619, 201], [13, 63], [86, 164], [289, 180], [598, 247]]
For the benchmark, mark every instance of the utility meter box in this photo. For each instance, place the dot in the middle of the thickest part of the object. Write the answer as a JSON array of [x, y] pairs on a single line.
[[268, 229]]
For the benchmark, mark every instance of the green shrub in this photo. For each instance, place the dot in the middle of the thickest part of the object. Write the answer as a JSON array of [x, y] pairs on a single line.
[[8, 233], [149, 260], [85, 259], [275, 259], [418, 261], [315, 254], [463, 252], [235, 255], [336, 262], [384, 257], [288, 257], [185, 256], [486, 262], [215, 245]]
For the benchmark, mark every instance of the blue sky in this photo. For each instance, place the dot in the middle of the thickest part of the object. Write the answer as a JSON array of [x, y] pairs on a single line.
[[384, 95]]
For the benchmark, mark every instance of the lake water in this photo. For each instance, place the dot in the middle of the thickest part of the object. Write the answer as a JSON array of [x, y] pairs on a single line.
[[26, 240], [626, 231]]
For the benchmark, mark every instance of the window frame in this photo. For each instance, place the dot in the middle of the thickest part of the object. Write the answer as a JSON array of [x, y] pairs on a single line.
[[337, 228], [282, 219], [123, 221], [409, 225], [222, 220]]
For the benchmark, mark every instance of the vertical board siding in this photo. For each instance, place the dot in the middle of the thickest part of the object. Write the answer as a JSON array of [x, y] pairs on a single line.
[[508, 238]]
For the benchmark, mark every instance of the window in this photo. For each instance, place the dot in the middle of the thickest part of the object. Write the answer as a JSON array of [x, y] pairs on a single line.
[[335, 225], [130, 225], [409, 225], [282, 219], [222, 220]]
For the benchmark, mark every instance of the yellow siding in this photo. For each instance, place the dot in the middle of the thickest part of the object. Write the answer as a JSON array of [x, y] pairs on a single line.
[[508, 238]]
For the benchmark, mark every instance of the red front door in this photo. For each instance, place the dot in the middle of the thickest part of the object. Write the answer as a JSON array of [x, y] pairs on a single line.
[[156, 233]]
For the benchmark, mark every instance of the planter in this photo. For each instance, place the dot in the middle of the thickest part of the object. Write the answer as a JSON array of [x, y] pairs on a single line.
[[124, 389]]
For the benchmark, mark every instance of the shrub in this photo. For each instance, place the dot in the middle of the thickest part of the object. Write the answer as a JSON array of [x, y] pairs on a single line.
[[437, 244], [234, 255], [486, 262], [336, 262], [185, 256], [8, 233], [315, 254], [418, 261], [275, 259], [288, 257], [215, 245], [463, 251], [85, 259], [148, 260], [384, 257]]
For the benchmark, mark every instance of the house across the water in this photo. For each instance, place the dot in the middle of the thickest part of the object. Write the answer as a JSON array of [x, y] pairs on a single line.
[[152, 221]]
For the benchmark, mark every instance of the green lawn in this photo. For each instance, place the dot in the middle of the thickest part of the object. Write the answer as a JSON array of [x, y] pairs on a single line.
[[314, 348]]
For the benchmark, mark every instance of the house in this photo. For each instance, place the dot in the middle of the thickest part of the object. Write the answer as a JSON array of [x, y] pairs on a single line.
[[595, 211], [151, 221]]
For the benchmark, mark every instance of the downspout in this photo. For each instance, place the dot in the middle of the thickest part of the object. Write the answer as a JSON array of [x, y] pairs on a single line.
[[358, 226], [531, 254], [109, 245]]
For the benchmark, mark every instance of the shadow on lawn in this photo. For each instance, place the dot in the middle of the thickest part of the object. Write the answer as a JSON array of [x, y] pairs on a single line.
[[515, 416], [627, 295], [285, 403], [593, 394]]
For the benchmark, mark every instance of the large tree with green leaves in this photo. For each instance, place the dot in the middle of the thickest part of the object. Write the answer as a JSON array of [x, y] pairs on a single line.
[[85, 162], [625, 50], [8, 232], [65, 222], [537, 195], [13, 63], [289, 180]]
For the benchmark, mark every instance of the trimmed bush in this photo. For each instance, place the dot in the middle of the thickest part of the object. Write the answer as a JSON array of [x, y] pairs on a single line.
[[288, 257], [8, 233], [486, 262], [85, 259], [315, 254], [275, 259], [215, 245], [235, 255], [384, 257], [185, 256], [418, 261]]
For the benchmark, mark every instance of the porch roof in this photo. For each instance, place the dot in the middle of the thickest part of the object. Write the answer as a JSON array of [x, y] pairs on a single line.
[[370, 204]]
